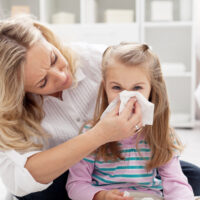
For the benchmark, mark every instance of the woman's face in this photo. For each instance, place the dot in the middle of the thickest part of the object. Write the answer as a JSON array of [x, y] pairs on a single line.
[[120, 77], [46, 70]]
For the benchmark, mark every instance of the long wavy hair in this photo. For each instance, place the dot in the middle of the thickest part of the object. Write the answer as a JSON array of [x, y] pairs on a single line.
[[21, 113], [160, 137]]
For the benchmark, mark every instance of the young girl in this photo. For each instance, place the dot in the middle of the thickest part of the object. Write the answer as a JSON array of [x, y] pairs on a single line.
[[132, 164]]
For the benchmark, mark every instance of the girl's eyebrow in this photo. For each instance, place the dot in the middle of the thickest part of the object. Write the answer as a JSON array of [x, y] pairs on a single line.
[[115, 83], [139, 83]]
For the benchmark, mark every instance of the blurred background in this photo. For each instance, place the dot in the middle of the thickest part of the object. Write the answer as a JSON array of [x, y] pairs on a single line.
[[170, 27]]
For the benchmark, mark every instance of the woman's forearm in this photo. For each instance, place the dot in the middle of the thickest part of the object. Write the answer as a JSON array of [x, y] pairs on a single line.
[[48, 165]]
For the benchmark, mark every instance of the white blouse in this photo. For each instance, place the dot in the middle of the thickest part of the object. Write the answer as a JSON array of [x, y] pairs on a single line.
[[62, 121]]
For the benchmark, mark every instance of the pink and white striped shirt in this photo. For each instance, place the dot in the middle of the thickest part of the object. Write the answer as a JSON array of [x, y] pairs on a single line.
[[91, 175]]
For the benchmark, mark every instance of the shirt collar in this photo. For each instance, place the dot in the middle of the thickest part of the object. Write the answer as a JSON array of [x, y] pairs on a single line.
[[79, 75]]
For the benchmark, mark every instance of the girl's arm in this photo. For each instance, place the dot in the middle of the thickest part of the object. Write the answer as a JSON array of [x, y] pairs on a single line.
[[175, 184], [79, 183]]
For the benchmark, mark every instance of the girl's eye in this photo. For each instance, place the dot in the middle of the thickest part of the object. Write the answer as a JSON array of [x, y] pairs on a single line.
[[44, 84], [137, 88], [53, 62], [116, 88]]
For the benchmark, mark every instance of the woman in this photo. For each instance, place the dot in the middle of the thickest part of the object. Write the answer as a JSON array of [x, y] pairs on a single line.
[[47, 93], [41, 82]]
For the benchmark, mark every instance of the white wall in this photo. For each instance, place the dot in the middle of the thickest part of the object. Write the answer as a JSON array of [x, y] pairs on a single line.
[[198, 49]]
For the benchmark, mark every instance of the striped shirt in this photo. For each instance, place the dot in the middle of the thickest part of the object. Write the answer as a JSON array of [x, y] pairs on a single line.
[[92, 175]]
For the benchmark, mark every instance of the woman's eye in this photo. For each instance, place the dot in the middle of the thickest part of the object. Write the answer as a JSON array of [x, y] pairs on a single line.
[[44, 84], [137, 88], [116, 88], [53, 62]]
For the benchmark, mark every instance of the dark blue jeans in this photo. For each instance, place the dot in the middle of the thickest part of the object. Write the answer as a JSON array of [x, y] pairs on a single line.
[[57, 190], [192, 172]]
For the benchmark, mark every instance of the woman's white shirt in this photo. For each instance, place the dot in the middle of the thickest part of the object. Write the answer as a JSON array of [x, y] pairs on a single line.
[[62, 121]]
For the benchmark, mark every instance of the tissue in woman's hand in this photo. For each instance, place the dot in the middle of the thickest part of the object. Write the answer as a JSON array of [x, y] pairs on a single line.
[[147, 107]]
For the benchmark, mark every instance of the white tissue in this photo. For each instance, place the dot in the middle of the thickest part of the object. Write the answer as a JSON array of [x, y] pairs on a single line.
[[197, 95], [147, 107], [126, 194]]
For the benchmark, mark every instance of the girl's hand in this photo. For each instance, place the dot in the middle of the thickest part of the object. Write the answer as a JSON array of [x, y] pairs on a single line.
[[115, 127], [111, 195]]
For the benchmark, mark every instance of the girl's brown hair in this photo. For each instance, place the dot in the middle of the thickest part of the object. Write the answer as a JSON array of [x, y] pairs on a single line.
[[160, 137]]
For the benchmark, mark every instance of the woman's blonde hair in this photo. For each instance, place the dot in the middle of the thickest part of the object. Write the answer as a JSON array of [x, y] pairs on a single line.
[[160, 137], [21, 113]]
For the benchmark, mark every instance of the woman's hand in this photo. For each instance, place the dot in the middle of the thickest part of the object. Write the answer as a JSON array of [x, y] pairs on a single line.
[[112, 127], [111, 195], [115, 127]]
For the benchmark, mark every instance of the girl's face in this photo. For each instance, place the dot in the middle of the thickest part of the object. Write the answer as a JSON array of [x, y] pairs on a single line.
[[120, 77], [46, 70]]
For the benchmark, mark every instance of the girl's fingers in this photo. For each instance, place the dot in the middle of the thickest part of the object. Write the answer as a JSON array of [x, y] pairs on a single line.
[[120, 195], [117, 197], [128, 110], [129, 198], [118, 192]]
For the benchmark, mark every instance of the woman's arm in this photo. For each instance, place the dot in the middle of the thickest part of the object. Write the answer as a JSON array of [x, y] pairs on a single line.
[[48, 165], [175, 184], [15, 177]]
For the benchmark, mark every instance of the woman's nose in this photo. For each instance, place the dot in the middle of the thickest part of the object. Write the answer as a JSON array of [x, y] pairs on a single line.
[[60, 67], [58, 73]]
